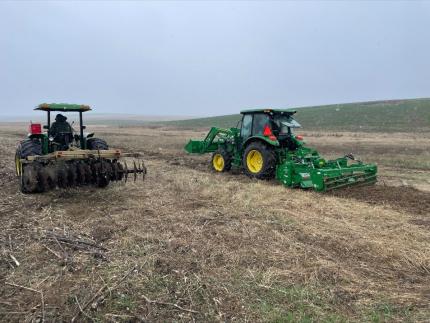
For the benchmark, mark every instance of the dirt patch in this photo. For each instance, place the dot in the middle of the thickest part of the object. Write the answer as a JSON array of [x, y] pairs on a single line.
[[401, 198], [420, 222]]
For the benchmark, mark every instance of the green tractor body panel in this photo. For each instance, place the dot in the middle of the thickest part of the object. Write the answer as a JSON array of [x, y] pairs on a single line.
[[262, 138], [296, 165]]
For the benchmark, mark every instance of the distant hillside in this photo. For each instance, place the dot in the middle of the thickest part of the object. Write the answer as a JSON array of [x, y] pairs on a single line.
[[384, 116]]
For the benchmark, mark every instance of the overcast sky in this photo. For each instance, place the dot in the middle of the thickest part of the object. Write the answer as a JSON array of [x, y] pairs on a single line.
[[210, 58]]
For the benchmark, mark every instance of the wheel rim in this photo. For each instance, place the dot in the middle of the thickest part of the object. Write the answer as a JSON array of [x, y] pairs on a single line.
[[254, 161], [218, 162], [18, 165]]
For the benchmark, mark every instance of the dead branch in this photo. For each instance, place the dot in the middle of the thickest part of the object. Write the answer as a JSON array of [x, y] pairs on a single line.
[[82, 311], [23, 287], [35, 291], [74, 241], [150, 301], [14, 260], [52, 251], [99, 293]]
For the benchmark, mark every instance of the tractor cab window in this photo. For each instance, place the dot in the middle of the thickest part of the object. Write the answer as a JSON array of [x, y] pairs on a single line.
[[260, 121], [283, 123], [246, 126]]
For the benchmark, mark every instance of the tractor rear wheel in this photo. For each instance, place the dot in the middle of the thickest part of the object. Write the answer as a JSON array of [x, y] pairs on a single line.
[[259, 161], [27, 173], [221, 160], [97, 144], [27, 147]]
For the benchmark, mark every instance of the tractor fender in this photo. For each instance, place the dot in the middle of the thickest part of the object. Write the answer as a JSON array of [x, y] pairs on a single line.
[[261, 138]]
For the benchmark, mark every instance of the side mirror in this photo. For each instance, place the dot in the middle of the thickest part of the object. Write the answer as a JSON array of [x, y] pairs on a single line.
[[45, 127], [84, 127]]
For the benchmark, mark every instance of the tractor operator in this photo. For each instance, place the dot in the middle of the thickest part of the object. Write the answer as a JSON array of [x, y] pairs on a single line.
[[61, 130]]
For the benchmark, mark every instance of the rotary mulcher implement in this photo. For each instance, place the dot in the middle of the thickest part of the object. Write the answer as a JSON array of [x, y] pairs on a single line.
[[265, 147], [62, 158]]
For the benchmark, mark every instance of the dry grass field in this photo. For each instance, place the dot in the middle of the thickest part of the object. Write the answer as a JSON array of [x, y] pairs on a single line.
[[191, 245]]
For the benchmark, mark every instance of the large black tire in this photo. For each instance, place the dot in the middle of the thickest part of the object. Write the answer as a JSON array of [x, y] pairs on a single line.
[[97, 144], [221, 160], [28, 181], [29, 147], [265, 160]]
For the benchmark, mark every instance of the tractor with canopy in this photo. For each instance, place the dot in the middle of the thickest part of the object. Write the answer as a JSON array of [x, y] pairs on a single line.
[[57, 155]]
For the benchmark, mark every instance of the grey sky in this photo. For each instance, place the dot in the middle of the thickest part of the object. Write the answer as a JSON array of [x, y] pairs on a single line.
[[209, 58]]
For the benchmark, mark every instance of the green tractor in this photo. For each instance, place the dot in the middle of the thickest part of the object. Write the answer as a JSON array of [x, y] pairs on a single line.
[[56, 156], [265, 146]]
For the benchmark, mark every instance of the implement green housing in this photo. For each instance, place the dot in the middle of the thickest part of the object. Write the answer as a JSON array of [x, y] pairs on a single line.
[[296, 165]]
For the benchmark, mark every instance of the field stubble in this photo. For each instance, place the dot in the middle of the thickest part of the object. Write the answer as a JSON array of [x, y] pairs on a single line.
[[190, 244]]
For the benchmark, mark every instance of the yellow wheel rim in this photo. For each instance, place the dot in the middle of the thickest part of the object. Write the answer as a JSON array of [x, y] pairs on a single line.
[[18, 165], [218, 162], [254, 161]]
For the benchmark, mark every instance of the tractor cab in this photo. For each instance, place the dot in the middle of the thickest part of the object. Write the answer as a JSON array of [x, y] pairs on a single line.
[[273, 124]]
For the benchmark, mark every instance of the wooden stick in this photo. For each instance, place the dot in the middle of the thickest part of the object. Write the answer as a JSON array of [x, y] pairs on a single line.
[[14, 259], [23, 287], [52, 251], [100, 292], [82, 311], [150, 301], [35, 291]]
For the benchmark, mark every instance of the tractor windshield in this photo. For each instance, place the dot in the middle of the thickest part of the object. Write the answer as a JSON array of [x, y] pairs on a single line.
[[283, 123]]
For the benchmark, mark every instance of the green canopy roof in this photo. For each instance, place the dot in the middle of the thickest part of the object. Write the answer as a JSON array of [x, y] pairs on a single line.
[[63, 107], [269, 110]]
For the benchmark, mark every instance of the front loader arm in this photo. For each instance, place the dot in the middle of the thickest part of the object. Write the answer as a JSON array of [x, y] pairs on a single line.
[[214, 138]]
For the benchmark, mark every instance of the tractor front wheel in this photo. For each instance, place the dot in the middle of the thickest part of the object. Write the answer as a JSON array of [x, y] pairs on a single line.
[[221, 161], [259, 161]]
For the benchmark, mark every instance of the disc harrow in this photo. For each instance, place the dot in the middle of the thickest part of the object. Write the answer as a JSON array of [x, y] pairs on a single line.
[[77, 168]]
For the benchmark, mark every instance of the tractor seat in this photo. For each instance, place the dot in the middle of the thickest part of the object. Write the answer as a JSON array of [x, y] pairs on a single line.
[[63, 139]]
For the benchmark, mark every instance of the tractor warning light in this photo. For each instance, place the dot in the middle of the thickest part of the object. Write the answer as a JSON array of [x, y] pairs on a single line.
[[299, 137], [35, 128]]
